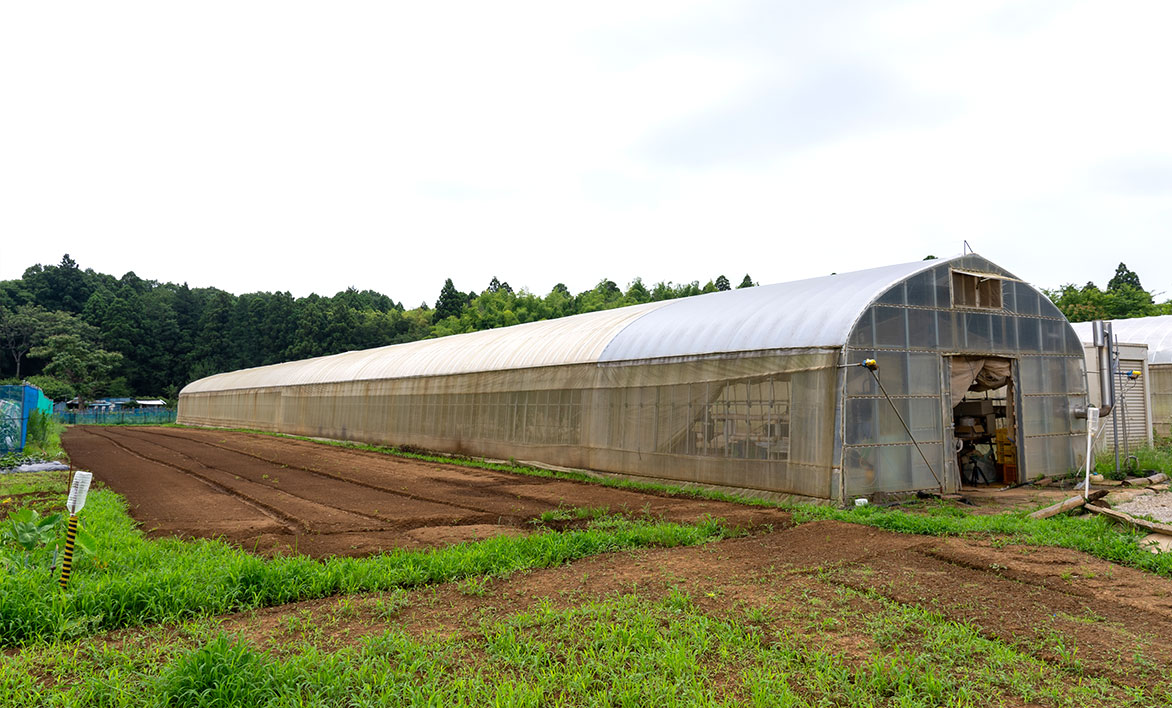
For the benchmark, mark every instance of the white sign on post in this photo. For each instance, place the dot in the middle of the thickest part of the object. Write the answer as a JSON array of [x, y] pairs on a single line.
[[81, 487]]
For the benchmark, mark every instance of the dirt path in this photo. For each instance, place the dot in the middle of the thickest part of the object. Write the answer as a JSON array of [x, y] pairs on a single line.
[[276, 494]]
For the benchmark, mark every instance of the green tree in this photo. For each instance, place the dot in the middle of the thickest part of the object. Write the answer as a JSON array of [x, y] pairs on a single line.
[[54, 389], [17, 329], [1089, 303], [638, 292], [83, 366], [29, 325], [746, 282], [722, 283], [1124, 277], [451, 301]]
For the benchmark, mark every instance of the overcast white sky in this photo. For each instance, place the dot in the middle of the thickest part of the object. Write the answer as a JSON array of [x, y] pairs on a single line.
[[312, 146]]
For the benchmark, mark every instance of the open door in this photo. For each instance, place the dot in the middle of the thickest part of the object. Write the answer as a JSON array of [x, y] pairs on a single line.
[[984, 418]]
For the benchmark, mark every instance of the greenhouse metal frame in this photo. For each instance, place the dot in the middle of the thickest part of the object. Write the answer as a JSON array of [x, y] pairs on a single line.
[[758, 389]]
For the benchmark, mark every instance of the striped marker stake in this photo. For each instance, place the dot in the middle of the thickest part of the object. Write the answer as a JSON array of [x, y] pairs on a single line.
[[76, 500]]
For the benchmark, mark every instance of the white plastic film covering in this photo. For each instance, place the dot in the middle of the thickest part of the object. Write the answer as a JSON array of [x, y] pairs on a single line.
[[763, 422], [1156, 332]]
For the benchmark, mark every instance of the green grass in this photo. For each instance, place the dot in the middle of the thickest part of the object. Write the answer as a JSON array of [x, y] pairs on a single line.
[[1156, 457], [132, 580], [623, 650], [44, 438]]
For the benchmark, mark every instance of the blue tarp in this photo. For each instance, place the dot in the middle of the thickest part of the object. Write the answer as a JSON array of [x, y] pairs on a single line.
[[16, 403]]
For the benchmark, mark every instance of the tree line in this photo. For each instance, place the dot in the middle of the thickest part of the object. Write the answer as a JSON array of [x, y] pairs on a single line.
[[76, 332]]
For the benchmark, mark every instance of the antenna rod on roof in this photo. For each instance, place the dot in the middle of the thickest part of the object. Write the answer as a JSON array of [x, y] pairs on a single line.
[[967, 248]]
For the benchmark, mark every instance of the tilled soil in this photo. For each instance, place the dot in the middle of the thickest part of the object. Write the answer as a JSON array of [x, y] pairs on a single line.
[[1115, 622], [278, 495]]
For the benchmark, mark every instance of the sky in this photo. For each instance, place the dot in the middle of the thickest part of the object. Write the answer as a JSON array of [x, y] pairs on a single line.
[[314, 146]]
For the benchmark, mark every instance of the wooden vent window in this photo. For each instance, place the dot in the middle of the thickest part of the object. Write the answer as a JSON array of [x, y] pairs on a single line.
[[969, 290]]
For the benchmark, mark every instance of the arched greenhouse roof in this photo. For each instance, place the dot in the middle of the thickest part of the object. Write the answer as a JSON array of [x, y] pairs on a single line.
[[1156, 332], [812, 313]]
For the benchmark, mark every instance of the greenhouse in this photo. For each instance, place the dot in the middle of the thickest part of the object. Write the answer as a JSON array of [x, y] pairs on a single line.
[[765, 389], [1156, 334]]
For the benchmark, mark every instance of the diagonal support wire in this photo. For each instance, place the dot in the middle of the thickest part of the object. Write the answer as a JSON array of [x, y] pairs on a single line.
[[907, 429]]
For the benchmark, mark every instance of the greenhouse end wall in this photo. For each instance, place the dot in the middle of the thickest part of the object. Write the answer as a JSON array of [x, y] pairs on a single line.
[[755, 422], [913, 331]]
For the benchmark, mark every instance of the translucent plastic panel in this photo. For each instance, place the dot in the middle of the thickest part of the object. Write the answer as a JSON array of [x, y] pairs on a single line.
[[1037, 457], [1035, 415], [924, 374], [892, 373], [922, 416], [1030, 368], [978, 335], [1045, 415], [1008, 295], [1054, 375], [861, 420], [864, 332], [1026, 299], [1048, 309], [921, 290], [921, 327], [1051, 456], [946, 330], [891, 468], [943, 276], [1029, 337], [1076, 377], [1062, 455], [1004, 334], [894, 296], [1053, 336], [890, 327], [1059, 414]]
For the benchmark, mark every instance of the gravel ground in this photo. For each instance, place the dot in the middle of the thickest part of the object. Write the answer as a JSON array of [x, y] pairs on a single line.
[[1158, 506]]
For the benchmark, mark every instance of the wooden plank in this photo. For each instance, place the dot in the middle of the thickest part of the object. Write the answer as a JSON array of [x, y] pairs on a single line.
[[1153, 526], [1069, 504]]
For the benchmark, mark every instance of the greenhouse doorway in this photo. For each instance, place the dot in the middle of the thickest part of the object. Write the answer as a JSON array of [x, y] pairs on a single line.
[[985, 419]]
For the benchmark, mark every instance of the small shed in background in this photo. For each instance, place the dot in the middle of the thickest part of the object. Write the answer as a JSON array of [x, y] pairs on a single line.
[[1156, 334]]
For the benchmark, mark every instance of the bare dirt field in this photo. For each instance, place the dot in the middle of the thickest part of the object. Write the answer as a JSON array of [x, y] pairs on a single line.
[[278, 494]]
